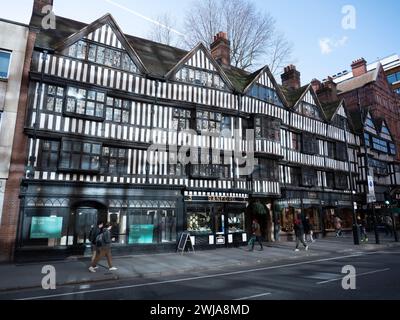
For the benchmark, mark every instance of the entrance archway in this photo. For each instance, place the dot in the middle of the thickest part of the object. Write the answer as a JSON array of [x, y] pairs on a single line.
[[85, 215]]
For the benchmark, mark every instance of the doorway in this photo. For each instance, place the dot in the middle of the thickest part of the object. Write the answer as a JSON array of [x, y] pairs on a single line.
[[85, 219]]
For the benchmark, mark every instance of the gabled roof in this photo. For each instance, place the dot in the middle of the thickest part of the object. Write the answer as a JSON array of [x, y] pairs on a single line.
[[331, 109], [190, 54], [293, 96], [85, 31], [358, 82]]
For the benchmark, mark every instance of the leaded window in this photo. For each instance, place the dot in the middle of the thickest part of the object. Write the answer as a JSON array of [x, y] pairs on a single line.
[[341, 181], [296, 141], [85, 102], [309, 110], [266, 94], [54, 98], [341, 151], [181, 119], [330, 180], [266, 170], [310, 144], [48, 157], [309, 177], [80, 156], [266, 128], [392, 149], [380, 145], [201, 77], [114, 161], [209, 121], [118, 110]]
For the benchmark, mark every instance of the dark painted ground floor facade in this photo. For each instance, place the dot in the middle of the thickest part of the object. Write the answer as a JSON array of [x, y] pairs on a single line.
[[56, 219]]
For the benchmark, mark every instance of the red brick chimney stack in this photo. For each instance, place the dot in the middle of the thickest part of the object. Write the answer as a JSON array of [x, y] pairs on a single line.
[[221, 49], [359, 67], [291, 78], [327, 91], [39, 4], [316, 84]]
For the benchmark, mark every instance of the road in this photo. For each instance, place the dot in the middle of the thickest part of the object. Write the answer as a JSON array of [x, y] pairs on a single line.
[[377, 278]]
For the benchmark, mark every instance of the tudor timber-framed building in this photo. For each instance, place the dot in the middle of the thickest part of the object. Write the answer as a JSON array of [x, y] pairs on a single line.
[[98, 99]]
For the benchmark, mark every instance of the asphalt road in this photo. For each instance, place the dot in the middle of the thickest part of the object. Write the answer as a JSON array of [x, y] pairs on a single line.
[[377, 278]]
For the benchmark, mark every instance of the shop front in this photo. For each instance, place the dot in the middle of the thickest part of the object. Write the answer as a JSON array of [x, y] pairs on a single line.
[[53, 224], [216, 220]]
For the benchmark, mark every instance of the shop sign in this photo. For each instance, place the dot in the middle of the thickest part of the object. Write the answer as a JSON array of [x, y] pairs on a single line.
[[371, 198], [46, 227], [214, 199], [141, 234], [220, 240]]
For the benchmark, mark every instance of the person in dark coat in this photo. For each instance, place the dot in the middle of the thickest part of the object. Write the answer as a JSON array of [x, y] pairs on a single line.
[[94, 232], [308, 230], [299, 232], [256, 235], [103, 245]]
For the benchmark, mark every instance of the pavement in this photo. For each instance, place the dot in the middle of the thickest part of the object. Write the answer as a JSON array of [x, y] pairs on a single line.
[[74, 271]]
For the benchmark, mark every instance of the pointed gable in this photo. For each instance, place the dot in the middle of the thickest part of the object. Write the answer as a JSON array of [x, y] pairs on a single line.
[[309, 105], [385, 132], [199, 67], [370, 125], [264, 87], [104, 43]]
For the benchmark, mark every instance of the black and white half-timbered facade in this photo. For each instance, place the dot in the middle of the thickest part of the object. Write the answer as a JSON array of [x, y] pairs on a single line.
[[157, 140]]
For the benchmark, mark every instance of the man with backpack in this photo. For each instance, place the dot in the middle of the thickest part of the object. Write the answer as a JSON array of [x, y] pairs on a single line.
[[103, 249], [94, 232], [256, 236]]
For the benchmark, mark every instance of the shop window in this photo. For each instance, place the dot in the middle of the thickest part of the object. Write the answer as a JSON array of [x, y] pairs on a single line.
[[48, 156], [80, 156], [199, 220], [219, 220], [288, 216], [118, 110], [236, 222], [151, 226], [266, 128], [86, 103], [114, 161], [54, 98], [313, 215], [181, 119]]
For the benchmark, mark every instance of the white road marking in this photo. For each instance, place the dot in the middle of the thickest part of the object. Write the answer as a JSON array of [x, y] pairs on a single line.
[[197, 278], [357, 275], [252, 297]]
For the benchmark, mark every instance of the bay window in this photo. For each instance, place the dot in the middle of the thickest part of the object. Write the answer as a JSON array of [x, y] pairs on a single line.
[[84, 102], [267, 128], [80, 156], [114, 161], [118, 110]]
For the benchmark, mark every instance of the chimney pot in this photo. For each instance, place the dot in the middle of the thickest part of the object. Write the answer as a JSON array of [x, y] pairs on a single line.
[[221, 49], [359, 67], [291, 77], [39, 4]]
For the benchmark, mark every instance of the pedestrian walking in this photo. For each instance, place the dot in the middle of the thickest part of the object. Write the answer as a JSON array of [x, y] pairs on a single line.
[[308, 230], [94, 232], [278, 230], [299, 232], [103, 249], [256, 235], [388, 226], [362, 223], [338, 226]]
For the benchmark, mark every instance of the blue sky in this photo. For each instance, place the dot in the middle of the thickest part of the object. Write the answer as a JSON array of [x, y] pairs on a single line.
[[308, 24]]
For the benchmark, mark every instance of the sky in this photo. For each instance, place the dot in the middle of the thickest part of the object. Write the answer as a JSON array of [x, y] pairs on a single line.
[[326, 35]]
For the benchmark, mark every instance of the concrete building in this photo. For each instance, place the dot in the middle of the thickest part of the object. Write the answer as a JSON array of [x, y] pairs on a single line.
[[13, 42]]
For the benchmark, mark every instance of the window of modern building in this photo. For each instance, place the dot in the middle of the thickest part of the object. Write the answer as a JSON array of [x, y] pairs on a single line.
[[114, 58], [397, 90], [48, 156], [266, 170], [201, 77], [394, 77], [266, 128], [114, 161], [84, 102], [54, 98], [5, 60], [80, 156], [380, 145], [181, 119], [118, 110], [266, 94]]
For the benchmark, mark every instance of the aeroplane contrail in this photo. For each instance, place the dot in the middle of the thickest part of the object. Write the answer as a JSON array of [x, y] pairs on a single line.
[[144, 17]]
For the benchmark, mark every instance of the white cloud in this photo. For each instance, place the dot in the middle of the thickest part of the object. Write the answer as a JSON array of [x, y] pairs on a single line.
[[327, 45]]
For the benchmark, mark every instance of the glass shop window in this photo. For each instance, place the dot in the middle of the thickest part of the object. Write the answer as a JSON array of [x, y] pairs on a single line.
[[199, 220]]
